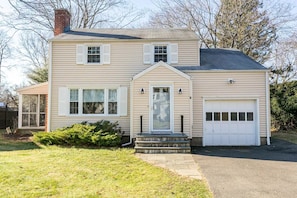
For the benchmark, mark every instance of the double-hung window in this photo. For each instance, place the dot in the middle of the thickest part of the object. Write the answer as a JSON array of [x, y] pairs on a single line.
[[160, 53], [93, 54], [155, 52]]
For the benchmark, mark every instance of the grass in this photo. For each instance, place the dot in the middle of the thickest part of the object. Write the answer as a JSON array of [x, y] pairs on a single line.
[[290, 136], [75, 172]]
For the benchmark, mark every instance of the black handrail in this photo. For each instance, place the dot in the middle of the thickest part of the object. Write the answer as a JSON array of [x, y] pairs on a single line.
[[141, 124], [182, 123]]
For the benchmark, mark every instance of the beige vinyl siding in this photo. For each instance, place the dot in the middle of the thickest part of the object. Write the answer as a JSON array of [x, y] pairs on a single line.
[[126, 61], [141, 106], [207, 85]]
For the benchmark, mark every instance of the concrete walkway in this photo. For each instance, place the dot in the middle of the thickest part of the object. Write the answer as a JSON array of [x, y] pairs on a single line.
[[182, 164]]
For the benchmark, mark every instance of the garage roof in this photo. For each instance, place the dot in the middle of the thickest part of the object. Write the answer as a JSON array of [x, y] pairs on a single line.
[[224, 59]]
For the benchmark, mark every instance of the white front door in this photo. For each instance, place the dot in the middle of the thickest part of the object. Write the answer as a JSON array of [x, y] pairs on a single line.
[[161, 107]]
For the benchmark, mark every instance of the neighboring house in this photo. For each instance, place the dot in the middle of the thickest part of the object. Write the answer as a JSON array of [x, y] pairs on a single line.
[[33, 107], [156, 81]]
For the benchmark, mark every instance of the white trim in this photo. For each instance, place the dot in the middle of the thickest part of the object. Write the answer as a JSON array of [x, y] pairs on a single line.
[[49, 96], [267, 95], [257, 114], [159, 64], [203, 122], [191, 109], [258, 138], [131, 110], [20, 116], [171, 91]]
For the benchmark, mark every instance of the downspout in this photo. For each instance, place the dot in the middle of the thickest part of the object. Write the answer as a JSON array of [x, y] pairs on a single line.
[[267, 110], [49, 97], [131, 115]]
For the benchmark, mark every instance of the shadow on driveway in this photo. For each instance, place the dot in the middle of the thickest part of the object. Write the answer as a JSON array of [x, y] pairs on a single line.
[[279, 150]]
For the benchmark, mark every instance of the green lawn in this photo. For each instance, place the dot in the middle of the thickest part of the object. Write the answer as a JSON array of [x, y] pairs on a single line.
[[29, 171], [290, 136]]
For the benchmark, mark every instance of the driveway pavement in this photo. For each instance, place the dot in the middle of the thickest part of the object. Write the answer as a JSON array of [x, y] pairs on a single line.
[[265, 171]]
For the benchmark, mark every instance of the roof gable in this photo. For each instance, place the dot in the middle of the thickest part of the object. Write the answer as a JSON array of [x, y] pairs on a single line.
[[161, 64]]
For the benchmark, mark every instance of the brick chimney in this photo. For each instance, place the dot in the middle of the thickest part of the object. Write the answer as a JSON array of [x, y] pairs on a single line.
[[62, 21]]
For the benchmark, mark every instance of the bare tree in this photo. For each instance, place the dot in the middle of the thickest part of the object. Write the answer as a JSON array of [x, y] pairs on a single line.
[[38, 15], [195, 15], [284, 61], [38, 60], [249, 25], [4, 49], [35, 19]]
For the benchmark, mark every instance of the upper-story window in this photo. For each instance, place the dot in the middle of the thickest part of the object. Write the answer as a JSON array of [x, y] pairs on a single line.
[[160, 53], [155, 52], [93, 54]]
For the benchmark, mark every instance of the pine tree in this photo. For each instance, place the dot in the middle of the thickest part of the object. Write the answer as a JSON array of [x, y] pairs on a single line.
[[242, 25]]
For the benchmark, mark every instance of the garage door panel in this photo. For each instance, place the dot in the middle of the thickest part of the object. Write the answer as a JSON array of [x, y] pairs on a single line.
[[230, 122]]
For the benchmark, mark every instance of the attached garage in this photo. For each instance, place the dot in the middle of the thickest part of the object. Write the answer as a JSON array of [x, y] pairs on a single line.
[[230, 123]]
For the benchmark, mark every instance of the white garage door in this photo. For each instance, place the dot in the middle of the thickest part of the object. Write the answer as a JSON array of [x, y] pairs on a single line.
[[230, 123]]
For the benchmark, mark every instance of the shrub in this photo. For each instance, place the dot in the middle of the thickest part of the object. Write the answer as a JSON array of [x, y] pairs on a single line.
[[100, 134]]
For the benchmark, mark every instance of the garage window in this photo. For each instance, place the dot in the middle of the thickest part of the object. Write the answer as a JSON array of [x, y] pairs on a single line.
[[225, 116], [208, 116], [233, 116], [216, 116], [241, 116], [250, 116]]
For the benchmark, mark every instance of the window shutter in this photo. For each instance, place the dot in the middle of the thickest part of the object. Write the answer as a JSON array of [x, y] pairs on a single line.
[[80, 54], [123, 101], [147, 53], [106, 54], [173, 53], [63, 101]]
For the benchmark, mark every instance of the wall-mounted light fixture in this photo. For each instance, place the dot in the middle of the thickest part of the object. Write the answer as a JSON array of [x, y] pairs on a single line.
[[231, 81], [180, 91], [142, 91]]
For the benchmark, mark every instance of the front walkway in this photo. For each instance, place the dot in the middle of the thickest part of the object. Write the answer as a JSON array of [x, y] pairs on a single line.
[[182, 164]]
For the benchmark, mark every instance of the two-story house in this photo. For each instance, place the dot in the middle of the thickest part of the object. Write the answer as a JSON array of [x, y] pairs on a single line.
[[156, 81]]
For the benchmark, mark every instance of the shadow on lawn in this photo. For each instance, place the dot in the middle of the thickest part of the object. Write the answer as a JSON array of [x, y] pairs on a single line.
[[279, 150], [13, 143]]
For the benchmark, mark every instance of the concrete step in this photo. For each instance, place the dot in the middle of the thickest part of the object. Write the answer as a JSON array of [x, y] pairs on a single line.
[[150, 150], [180, 143]]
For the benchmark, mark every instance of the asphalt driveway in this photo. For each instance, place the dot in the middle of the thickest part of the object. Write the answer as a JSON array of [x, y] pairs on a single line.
[[265, 171]]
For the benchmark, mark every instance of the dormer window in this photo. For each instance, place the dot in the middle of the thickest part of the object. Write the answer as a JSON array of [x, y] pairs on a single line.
[[160, 53]]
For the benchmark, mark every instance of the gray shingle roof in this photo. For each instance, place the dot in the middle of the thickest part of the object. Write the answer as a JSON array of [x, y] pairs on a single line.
[[120, 34], [224, 59]]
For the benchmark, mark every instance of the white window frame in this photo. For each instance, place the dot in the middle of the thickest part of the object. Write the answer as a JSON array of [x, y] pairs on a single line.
[[82, 54], [106, 110], [149, 52]]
